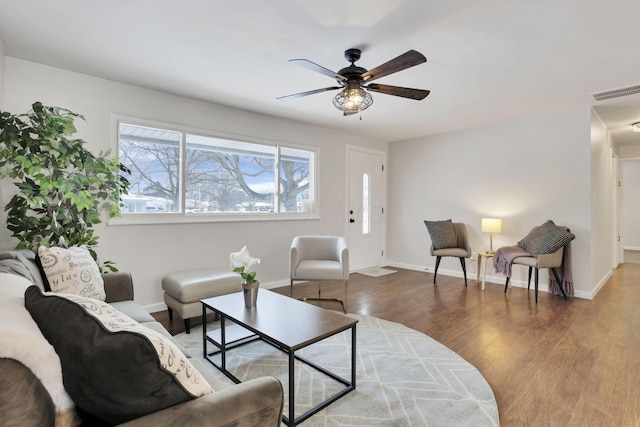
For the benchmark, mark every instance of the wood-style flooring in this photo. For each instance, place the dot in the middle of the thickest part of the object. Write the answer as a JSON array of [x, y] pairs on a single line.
[[557, 363]]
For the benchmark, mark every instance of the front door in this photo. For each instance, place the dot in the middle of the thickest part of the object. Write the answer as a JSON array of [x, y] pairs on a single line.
[[365, 206]]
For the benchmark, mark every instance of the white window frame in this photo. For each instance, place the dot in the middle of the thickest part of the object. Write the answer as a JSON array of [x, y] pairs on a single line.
[[312, 211]]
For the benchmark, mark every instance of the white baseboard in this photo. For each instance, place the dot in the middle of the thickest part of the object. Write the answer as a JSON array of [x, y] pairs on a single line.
[[599, 286], [276, 284], [407, 266], [496, 279], [154, 308], [429, 269], [499, 280], [632, 248]]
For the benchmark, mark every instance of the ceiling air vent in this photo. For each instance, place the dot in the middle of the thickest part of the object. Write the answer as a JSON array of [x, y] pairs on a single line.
[[617, 93]]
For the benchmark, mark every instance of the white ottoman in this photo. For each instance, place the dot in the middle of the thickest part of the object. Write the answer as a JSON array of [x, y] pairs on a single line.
[[184, 290]]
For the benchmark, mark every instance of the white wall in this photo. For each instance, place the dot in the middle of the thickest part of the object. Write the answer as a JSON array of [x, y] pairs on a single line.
[[628, 152], [524, 171], [631, 210], [602, 203], [2, 61], [4, 233], [152, 251]]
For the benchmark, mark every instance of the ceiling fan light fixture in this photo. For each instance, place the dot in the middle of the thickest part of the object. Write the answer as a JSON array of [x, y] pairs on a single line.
[[351, 81], [352, 99]]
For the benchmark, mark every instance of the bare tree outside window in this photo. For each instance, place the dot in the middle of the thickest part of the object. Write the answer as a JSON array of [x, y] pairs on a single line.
[[294, 178], [221, 175], [229, 176], [154, 155]]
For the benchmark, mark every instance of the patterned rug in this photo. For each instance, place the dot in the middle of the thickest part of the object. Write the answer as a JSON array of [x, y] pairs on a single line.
[[404, 378]]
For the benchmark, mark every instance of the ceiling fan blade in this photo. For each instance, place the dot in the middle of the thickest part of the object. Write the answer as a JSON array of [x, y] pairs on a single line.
[[404, 92], [309, 92], [402, 62], [318, 69]]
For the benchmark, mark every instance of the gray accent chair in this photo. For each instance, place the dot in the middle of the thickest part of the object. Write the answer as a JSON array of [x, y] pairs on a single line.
[[461, 250], [320, 258], [550, 261]]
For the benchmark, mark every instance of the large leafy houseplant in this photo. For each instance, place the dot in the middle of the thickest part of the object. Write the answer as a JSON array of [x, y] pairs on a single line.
[[62, 186]]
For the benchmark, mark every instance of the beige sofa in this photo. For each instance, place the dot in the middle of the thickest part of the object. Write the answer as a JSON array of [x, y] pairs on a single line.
[[26, 398]]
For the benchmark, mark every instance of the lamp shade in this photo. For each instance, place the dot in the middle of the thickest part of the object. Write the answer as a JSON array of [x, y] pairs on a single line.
[[491, 225]]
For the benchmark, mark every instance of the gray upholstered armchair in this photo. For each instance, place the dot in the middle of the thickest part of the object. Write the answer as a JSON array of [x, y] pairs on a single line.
[[320, 258], [551, 261], [449, 239]]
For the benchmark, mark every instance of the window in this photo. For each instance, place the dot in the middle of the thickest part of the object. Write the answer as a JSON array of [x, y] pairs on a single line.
[[366, 203], [295, 172], [153, 155], [229, 176], [186, 173]]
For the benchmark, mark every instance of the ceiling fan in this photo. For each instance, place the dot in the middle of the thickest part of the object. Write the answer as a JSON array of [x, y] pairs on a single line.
[[353, 81]]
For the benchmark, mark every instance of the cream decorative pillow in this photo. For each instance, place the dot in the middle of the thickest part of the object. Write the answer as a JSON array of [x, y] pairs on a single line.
[[72, 271]]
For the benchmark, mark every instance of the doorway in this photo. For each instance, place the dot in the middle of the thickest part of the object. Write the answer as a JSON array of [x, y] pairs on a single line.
[[630, 210], [365, 207]]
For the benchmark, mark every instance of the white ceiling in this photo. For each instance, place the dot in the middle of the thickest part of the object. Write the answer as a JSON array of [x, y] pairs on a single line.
[[488, 60]]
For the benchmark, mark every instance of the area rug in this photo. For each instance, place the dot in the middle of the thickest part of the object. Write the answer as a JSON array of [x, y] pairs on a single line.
[[375, 271], [404, 378]]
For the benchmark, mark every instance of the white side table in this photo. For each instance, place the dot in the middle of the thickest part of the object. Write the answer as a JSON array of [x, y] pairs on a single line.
[[483, 256]]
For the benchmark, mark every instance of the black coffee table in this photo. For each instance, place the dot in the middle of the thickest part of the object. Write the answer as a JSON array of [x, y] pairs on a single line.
[[283, 322]]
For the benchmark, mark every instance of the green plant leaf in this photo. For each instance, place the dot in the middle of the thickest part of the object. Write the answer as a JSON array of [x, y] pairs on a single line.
[[62, 186]]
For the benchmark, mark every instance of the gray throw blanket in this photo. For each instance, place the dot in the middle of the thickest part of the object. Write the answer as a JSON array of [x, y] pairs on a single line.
[[566, 274], [504, 257]]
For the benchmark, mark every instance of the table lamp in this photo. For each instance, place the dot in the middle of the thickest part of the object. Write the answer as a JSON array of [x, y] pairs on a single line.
[[491, 226]]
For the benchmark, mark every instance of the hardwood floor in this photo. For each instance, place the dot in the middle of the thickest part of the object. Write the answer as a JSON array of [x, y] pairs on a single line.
[[557, 363]]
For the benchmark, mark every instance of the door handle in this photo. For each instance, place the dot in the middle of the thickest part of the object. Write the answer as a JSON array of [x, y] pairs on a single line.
[[352, 220]]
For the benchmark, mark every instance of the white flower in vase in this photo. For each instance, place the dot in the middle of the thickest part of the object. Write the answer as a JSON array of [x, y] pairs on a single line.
[[241, 262]]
